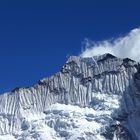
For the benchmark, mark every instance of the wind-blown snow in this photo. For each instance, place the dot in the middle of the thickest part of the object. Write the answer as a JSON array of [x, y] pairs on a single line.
[[126, 46]]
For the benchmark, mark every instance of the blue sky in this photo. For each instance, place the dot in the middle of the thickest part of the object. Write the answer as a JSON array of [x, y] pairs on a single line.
[[37, 36]]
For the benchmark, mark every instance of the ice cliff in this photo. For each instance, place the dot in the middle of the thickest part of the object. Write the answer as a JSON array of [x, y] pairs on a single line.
[[96, 98]]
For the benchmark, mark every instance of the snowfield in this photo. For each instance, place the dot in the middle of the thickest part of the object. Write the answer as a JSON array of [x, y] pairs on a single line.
[[65, 122], [61, 122]]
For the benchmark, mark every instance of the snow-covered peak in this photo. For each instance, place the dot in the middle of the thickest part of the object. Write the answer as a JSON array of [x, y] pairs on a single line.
[[90, 98]]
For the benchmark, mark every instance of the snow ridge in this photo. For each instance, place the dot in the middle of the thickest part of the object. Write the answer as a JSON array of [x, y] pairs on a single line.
[[90, 98]]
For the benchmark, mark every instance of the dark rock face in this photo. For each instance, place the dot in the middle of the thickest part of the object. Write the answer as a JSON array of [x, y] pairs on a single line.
[[106, 57], [104, 83]]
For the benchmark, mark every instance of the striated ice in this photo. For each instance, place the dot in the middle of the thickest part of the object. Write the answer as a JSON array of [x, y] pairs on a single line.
[[96, 98]]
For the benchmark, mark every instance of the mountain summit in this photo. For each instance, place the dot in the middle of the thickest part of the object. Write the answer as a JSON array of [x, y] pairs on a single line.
[[95, 98]]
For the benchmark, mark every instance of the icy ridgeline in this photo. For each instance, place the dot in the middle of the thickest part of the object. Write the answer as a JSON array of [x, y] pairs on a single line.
[[89, 99]]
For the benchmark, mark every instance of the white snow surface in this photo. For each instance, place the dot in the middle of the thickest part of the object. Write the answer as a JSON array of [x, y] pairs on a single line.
[[89, 99], [71, 122]]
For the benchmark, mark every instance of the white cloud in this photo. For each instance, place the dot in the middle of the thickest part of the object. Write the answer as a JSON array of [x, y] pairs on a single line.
[[126, 46]]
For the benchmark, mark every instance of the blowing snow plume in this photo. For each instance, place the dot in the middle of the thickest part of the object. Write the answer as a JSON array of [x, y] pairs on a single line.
[[126, 46]]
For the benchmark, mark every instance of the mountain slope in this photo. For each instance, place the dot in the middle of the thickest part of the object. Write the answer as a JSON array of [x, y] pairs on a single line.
[[90, 98]]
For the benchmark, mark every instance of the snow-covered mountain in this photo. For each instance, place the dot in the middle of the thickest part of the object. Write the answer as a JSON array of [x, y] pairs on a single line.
[[96, 98]]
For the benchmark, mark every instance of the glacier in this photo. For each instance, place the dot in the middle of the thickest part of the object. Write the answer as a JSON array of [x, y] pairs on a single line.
[[92, 98]]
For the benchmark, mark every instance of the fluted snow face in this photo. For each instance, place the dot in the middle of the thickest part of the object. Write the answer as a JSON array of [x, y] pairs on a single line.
[[105, 85]]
